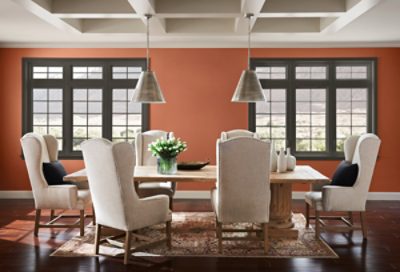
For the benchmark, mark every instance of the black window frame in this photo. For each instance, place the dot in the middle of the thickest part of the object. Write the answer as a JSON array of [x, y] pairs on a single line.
[[331, 84], [67, 83]]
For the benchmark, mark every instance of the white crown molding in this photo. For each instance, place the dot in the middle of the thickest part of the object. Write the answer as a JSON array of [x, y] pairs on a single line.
[[204, 44], [206, 195]]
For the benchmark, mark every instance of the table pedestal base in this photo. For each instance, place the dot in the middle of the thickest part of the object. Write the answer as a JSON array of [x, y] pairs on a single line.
[[280, 222]]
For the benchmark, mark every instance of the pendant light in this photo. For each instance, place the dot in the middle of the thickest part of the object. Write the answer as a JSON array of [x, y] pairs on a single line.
[[249, 88], [147, 89]]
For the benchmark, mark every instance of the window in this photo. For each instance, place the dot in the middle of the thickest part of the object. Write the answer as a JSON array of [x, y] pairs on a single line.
[[79, 99], [126, 120], [47, 112], [313, 105]]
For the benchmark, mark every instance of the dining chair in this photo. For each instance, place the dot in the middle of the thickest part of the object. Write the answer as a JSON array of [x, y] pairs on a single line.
[[243, 192], [145, 158], [363, 151], [109, 169], [226, 135], [38, 149]]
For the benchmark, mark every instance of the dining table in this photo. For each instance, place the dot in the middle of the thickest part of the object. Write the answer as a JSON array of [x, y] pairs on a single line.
[[281, 215]]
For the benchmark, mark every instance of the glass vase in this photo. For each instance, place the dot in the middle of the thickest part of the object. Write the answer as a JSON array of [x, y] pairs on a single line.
[[166, 166]]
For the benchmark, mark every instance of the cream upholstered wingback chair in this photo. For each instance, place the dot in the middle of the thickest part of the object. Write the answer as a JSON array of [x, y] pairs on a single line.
[[110, 169], [38, 149], [242, 194], [226, 135], [363, 151], [144, 157]]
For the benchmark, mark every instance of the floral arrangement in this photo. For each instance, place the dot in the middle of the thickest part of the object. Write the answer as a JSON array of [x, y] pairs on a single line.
[[167, 148]]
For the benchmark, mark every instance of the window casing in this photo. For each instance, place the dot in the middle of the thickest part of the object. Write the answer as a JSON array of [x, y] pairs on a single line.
[[326, 100], [79, 99]]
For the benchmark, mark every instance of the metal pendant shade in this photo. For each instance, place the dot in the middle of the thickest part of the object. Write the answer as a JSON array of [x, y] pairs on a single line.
[[249, 88], [147, 88]]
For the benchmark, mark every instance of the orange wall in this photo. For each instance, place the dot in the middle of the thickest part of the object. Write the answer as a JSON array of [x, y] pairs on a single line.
[[198, 85]]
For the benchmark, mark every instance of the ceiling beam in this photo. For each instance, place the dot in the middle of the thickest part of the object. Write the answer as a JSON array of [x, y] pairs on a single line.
[[248, 6], [143, 7], [358, 8], [42, 9]]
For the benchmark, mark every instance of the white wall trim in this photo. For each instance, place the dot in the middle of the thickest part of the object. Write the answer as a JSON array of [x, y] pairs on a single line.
[[16, 195], [206, 195]]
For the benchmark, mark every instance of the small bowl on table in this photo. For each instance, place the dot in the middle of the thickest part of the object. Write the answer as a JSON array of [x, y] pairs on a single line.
[[192, 165]]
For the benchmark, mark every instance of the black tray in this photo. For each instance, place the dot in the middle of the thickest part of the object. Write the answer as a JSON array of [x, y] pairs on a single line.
[[192, 165]]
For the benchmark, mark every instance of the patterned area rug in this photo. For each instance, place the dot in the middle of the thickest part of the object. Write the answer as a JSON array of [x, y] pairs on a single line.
[[193, 234]]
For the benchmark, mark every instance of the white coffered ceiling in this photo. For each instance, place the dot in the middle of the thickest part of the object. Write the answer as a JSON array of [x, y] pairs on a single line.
[[199, 23]]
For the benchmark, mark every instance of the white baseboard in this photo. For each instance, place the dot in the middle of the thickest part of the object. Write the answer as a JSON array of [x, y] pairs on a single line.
[[16, 195], [206, 195]]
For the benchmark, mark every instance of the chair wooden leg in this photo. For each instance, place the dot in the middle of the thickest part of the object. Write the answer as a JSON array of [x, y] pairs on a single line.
[[350, 215], [168, 233], [51, 214], [37, 222], [219, 236], [171, 203], [128, 237], [317, 224], [363, 226], [307, 215], [94, 215], [266, 238], [82, 222], [97, 239]]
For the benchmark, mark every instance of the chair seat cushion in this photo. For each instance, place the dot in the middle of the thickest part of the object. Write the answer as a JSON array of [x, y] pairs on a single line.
[[345, 175], [314, 199], [54, 173]]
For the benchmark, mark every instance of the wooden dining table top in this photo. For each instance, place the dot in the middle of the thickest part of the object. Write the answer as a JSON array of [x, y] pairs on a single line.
[[301, 174]]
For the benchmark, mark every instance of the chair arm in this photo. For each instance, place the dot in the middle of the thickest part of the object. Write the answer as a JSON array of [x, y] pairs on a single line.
[[317, 187], [60, 197], [340, 198], [150, 211], [155, 200]]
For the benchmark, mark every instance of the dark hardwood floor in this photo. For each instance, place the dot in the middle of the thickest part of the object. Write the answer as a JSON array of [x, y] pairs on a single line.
[[20, 251]]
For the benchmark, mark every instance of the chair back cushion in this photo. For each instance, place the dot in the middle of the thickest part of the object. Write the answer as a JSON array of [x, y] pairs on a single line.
[[143, 155], [226, 135], [349, 147], [35, 153], [243, 185], [345, 175], [365, 155], [110, 173]]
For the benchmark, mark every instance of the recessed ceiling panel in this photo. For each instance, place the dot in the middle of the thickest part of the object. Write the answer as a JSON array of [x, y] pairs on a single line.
[[113, 26], [287, 25], [197, 6], [200, 25]]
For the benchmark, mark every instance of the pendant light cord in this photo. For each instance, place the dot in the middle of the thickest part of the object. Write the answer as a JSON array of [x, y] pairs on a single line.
[[248, 47], [147, 43]]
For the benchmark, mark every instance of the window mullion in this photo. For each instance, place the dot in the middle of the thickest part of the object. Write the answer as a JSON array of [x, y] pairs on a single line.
[[331, 112], [68, 109], [291, 108], [107, 101]]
